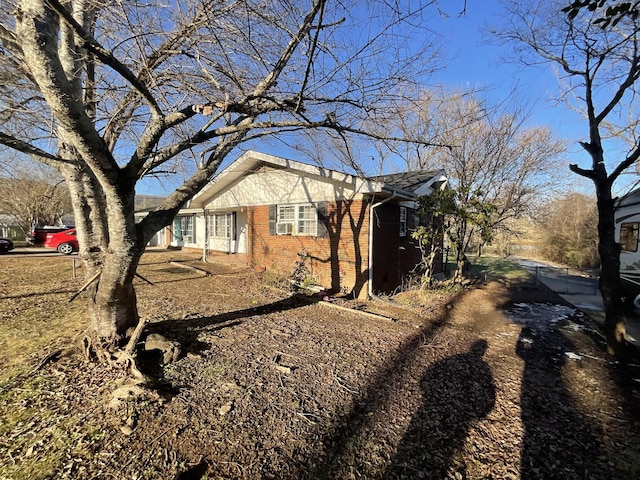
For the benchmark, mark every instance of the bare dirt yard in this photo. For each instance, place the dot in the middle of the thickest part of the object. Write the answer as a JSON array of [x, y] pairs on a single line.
[[499, 381]]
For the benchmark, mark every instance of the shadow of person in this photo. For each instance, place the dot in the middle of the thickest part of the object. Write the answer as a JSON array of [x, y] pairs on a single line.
[[557, 441], [456, 391]]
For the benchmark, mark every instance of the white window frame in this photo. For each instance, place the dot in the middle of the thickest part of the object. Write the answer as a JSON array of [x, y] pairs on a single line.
[[307, 220], [219, 223], [186, 234], [302, 218], [403, 221]]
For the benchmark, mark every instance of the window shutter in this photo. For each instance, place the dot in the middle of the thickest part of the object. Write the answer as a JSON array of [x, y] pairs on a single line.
[[177, 229], [273, 218], [323, 221]]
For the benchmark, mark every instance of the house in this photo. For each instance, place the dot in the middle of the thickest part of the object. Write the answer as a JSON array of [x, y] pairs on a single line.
[[353, 233], [10, 229], [143, 205]]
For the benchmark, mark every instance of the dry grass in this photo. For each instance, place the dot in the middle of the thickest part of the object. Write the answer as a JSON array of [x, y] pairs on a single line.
[[35, 314]]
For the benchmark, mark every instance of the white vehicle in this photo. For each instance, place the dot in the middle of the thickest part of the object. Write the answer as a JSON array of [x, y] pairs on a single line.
[[627, 218]]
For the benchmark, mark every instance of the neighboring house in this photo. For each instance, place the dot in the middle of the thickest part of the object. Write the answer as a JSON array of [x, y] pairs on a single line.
[[10, 229], [355, 232], [143, 205]]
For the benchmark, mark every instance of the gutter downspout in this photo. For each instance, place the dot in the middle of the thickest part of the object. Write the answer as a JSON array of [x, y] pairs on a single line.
[[205, 245], [371, 212]]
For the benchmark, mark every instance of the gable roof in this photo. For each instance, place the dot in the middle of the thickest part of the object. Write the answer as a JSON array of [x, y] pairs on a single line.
[[413, 181], [403, 185]]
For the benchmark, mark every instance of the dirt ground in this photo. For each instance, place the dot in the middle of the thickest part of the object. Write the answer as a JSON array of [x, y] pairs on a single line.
[[499, 381]]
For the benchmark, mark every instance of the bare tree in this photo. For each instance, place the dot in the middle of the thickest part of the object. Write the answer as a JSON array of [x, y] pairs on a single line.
[[34, 196], [111, 92], [490, 158], [568, 228], [600, 68]]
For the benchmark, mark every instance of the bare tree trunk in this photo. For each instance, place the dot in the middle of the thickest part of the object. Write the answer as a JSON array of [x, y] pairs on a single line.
[[110, 248], [610, 284], [461, 258], [113, 308]]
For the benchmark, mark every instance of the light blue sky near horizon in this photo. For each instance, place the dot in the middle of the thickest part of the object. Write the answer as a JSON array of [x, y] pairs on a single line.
[[473, 63]]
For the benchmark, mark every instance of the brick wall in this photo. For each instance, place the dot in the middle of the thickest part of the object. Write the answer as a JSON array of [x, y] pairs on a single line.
[[338, 261], [394, 255]]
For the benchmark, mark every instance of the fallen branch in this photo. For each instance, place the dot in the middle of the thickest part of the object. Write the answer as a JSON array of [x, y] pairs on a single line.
[[85, 286], [352, 310], [142, 278], [135, 337], [341, 383], [199, 270], [305, 416], [49, 358]]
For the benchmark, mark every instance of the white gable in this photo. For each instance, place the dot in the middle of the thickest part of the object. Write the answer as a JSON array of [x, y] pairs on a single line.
[[273, 186], [260, 179]]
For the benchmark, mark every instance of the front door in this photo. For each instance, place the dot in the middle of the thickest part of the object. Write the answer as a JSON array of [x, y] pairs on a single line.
[[227, 232]]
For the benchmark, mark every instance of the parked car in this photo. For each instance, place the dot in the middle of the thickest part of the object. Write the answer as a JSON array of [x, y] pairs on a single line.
[[38, 235], [65, 242], [5, 245]]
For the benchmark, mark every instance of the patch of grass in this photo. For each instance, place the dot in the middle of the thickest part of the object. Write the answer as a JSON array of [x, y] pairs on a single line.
[[37, 437], [497, 267], [31, 331], [36, 313]]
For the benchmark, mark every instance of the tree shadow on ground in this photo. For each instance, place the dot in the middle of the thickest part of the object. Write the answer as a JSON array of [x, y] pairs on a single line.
[[57, 291], [559, 441], [186, 331], [556, 435], [456, 391]]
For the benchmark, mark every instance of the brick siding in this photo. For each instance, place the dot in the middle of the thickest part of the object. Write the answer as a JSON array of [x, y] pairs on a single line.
[[338, 261], [395, 256]]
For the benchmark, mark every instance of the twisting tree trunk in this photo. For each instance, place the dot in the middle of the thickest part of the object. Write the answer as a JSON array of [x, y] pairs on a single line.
[[598, 50]]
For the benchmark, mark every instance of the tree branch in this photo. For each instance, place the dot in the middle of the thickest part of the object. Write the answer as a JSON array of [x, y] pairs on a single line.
[[582, 172], [626, 163], [28, 149], [266, 84], [92, 45]]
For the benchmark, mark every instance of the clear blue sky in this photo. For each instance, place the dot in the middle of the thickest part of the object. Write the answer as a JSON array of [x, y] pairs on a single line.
[[473, 63]]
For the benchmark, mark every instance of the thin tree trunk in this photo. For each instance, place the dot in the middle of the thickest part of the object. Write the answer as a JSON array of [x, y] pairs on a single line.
[[461, 258]]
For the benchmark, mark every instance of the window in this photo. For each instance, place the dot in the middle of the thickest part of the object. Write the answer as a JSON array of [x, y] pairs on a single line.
[[629, 237], [307, 220], [183, 229], [403, 221], [220, 225], [297, 220]]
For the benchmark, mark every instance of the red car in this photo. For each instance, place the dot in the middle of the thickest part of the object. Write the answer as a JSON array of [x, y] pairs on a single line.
[[65, 242]]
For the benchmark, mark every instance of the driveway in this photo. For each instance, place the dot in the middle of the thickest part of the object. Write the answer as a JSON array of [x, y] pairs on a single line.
[[33, 251], [579, 289]]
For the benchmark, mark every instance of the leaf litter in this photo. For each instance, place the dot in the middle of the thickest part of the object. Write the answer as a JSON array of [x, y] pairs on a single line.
[[272, 385]]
